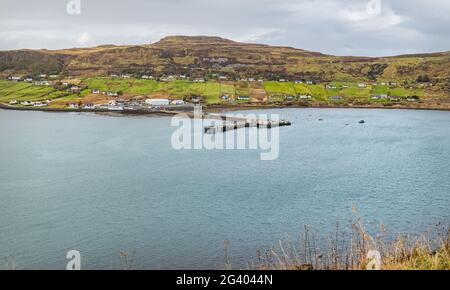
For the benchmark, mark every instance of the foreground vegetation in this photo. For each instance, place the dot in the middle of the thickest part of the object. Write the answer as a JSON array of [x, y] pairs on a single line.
[[349, 251], [345, 250]]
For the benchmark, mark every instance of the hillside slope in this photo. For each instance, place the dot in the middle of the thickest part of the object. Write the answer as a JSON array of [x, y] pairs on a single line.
[[197, 56]]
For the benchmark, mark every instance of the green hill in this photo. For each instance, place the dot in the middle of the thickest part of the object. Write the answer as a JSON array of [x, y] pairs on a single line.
[[201, 55]]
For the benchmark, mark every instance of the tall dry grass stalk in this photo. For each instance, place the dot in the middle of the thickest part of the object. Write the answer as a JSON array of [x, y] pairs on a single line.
[[10, 265], [349, 251]]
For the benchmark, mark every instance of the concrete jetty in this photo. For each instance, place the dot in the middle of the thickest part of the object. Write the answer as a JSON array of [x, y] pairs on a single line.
[[245, 124], [231, 123]]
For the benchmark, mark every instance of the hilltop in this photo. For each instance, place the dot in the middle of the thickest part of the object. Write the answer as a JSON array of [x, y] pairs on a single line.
[[199, 55]]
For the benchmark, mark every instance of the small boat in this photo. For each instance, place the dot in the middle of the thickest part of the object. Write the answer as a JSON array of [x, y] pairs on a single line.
[[362, 122]]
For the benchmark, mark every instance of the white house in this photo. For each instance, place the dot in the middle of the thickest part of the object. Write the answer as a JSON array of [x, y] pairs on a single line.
[[361, 85], [89, 107], [114, 105], [41, 83], [27, 103], [305, 97], [73, 106], [15, 78], [115, 108], [112, 94], [157, 102], [96, 92], [177, 102], [380, 97], [413, 99], [75, 89], [13, 102], [40, 104]]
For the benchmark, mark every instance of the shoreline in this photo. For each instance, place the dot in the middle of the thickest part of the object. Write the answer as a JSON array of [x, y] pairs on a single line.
[[322, 106], [80, 110], [216, 108]]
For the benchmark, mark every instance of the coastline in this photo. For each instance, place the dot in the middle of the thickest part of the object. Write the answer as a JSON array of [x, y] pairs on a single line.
[[81, 110], [324, 106], [216, 108]]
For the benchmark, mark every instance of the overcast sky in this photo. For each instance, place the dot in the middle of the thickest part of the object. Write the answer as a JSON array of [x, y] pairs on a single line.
[[340, 27]]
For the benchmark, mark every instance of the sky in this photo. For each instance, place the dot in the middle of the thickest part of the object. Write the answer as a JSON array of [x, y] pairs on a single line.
[[338, 27]]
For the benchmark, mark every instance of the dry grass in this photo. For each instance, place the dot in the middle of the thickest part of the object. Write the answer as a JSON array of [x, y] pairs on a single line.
[[349, 251], [10, 264]]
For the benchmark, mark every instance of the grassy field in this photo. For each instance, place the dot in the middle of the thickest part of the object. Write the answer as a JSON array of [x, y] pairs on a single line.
[[279, 88], [25, 91], [176, 89], [211, 91]]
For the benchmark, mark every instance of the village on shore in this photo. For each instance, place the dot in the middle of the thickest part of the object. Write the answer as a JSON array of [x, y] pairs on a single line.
[[114, 100]]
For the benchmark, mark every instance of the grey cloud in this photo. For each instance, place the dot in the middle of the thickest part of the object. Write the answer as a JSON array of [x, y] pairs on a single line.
[[329, 26]]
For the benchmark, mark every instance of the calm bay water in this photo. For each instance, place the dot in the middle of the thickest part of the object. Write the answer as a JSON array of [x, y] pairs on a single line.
[[103, 184]]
